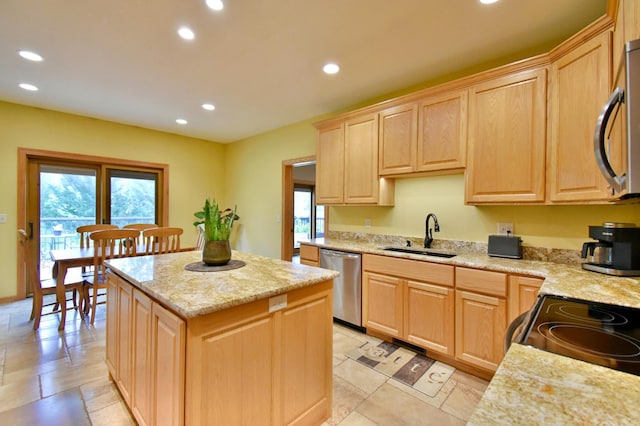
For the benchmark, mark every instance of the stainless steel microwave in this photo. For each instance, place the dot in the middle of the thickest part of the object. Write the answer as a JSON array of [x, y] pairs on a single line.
[[622, 105]]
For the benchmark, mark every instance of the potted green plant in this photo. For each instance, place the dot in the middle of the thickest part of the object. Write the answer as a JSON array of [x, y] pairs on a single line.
[[217, 230]]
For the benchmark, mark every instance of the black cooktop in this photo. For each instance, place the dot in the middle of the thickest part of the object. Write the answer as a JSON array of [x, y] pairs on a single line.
[[598, 333]]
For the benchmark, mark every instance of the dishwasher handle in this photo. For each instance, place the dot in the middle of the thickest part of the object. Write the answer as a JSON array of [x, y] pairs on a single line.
[[341, 254]]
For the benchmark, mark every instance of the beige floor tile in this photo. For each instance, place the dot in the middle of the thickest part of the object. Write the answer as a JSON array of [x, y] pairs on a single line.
[[35, 370], [343, 343], [23, 355], [390, 406], [360, 376], [100, 394], [71, 377], [469, 380], [112, 415], [64, 408], [346, 397], [462, 401], [357, 419], [19, 393], [87, 354]]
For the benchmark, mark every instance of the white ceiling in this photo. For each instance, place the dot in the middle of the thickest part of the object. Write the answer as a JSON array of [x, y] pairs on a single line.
[[258, 61]]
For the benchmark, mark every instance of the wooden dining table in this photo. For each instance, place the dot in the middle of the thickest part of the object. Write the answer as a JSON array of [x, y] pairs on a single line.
[[64, 259]]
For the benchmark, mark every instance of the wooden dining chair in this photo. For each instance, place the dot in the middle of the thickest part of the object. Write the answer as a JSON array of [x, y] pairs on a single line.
[[200, 237], [162, 240], [86, 230], [140, 227], [41, 288], [107, 244]]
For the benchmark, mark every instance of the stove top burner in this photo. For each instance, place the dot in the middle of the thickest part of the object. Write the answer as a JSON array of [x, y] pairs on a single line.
[[602, 334]]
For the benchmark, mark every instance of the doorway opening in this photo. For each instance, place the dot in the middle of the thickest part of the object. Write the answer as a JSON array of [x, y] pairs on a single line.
[[302, 219]]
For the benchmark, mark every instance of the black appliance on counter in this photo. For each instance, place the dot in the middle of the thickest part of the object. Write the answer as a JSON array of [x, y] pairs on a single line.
[[617, 251], [599, 333]]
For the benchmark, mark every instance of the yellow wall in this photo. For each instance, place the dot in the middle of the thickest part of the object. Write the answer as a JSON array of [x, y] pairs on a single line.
[[563, 227], [254, 183], [196, 167]]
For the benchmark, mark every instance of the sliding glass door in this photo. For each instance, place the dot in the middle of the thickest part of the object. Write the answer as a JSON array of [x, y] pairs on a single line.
[[63, 195]]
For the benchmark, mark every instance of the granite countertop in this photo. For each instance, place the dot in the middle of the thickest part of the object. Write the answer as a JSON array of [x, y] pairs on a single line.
[[560, 279], [191, 294], [532, 386]]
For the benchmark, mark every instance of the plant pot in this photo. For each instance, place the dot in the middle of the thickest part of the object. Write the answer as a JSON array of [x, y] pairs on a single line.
[[216, 253]]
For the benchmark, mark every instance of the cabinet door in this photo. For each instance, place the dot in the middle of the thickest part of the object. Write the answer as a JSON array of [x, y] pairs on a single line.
[[480, 328], [580, 85], [398, 139], [383, 304], [430, 318], [506, 149], [330, 165], [112, 325], [523, 292], [141, 400], [168, 337], [307, 336], [309, 255], [125, 305], [361, 182], [442, 138]]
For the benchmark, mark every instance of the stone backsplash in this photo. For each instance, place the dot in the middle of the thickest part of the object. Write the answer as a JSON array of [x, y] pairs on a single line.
[[563, 256]]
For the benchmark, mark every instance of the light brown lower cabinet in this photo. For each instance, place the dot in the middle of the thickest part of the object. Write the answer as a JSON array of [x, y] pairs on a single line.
[[242, 365], [409, 300], [309, 255], [145, 354], [480, 327], [481, 316], [523, 292]]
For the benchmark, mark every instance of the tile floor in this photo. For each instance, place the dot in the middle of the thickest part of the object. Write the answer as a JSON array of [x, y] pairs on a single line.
[[46, 374]]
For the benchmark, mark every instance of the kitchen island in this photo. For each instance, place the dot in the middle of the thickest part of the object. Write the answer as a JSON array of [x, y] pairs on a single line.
[[251, 345]]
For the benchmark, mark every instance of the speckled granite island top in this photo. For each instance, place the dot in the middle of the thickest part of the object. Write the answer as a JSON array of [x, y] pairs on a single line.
[[191, 294]]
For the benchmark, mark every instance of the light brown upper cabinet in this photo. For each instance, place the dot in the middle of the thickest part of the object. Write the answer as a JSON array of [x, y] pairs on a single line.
[[428, 135], [398, 139], [442, 132], [330, 164], [580, 83], [507, 134], [347, 163]]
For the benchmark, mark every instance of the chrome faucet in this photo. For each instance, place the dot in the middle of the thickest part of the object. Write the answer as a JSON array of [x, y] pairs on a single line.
[[428, 237]]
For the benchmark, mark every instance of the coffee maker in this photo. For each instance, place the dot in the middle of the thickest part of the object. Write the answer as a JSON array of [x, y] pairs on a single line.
[[616, 251]]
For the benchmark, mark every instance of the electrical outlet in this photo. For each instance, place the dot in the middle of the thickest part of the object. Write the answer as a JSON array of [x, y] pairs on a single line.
[[3, 218], [367, 222], [505, 228]]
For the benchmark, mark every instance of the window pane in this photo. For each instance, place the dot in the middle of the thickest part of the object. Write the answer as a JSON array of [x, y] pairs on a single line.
[[301, 216], [67, 200], [133, 199]]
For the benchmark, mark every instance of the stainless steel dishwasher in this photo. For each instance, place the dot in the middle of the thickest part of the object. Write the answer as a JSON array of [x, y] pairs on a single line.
[[347, 287]]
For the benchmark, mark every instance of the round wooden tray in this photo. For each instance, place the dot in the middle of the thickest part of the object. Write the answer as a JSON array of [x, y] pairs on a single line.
[[202, 267]]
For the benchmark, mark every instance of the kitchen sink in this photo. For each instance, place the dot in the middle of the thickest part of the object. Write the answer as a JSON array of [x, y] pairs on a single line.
[[426, 252]]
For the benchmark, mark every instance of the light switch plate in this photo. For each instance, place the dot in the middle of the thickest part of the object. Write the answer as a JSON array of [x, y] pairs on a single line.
[[3, 218]]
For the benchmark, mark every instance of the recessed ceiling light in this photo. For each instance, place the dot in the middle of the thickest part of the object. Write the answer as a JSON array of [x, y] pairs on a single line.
[[215, 4], [32, 56], [331, 68], [488, 1], [181, 121], [208, 107], [186, 33], [29, 87]]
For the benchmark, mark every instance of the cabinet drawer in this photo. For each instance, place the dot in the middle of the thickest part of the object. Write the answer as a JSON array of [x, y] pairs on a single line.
[[309, 253], [488, 282], [434, 273]]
